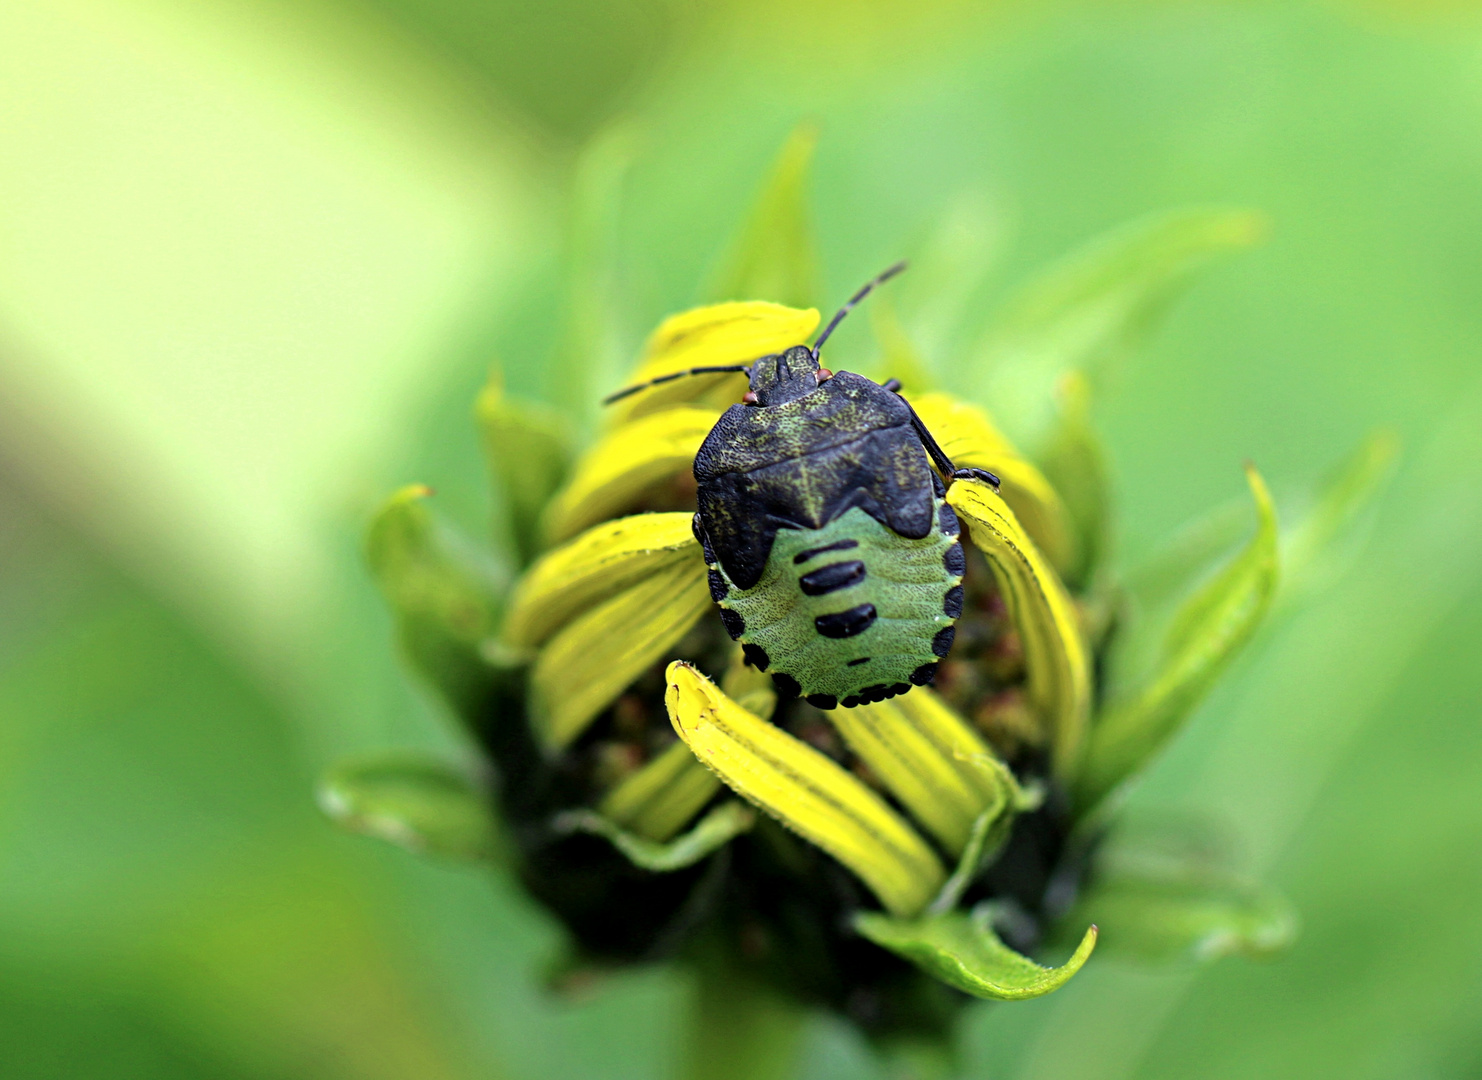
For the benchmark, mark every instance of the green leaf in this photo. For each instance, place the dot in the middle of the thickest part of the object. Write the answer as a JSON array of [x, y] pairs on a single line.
[[774, 256], [1207, 633], [443, 592], [714, 830], [963, 951], [1091, 308], [1074, 461], [412, 800], [527, 451]]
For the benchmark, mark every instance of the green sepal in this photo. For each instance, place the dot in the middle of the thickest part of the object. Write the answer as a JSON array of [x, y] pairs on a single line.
[[1074, 462], [528, 453], [962, 950], [713, 831], [443, 592], [414, 800], [774, 256], [1095, 305], [1206, 633]]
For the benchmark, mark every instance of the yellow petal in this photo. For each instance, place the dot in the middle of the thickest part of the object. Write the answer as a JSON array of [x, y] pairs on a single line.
[[925, 754], [748, 687], [971, 440], [806, 791], [732, 333], [660, 799], [626, 463], [1059, 673], [585, 666], [604, 560]]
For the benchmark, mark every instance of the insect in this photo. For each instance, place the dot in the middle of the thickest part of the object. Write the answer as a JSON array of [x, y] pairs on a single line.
[[831, 550]]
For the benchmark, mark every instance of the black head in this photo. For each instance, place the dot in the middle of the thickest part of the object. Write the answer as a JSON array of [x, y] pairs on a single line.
[[784, 377]]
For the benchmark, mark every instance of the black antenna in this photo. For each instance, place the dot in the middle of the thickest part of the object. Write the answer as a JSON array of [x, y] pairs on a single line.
[[853, 300], [717, 370]]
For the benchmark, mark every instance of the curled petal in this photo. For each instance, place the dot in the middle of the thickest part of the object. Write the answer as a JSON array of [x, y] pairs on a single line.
[[590, 661], [628, 461], [926, 755], [1055, 656], [971, 440], [732, 333], [604, 560], [806, 791]]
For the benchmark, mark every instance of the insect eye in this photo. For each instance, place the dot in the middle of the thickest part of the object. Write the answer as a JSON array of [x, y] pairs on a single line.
[[823, 374], [749, 397]]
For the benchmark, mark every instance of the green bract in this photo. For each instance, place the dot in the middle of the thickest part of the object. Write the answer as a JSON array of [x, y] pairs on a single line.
[[885, 861]]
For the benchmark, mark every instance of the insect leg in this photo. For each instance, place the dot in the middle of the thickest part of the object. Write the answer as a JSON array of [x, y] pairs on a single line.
[[940, 459]]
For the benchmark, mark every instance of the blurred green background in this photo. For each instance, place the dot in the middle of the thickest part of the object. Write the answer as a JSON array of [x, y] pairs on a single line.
[[257, 256]]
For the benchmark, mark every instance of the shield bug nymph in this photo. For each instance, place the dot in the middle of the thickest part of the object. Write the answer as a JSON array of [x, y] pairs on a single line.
[[832, 552]]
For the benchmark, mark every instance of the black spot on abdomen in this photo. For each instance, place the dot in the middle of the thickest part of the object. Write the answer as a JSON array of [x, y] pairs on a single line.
[[718, 586], [947, 521], [955, 560], [923, 675], [756, 656], [844, 624], [823, 701], [831, 578], [787, 686], [941, 645], [952, 602], [734, 623], [839, 545]]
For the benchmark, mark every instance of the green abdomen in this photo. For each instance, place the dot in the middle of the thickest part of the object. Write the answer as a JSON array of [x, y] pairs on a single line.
[[852, 612]]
